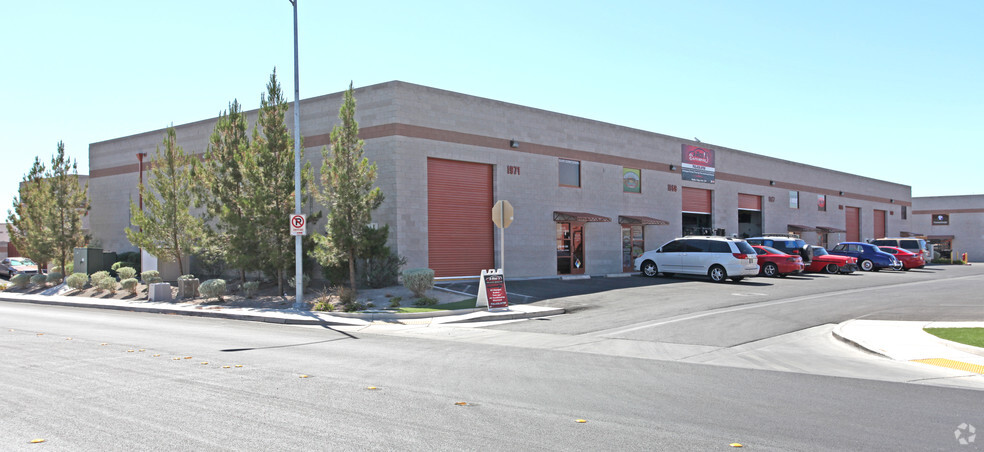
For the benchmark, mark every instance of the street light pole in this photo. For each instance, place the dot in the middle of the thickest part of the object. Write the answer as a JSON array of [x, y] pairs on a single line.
[[298, 252]]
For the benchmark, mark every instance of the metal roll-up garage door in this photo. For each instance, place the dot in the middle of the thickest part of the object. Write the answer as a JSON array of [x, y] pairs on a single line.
[[879, 224], [749, 202], [459, 222], [853, 223], [696, 200]]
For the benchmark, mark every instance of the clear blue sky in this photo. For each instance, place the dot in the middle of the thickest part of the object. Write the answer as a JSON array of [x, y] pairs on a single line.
[[892, 90]]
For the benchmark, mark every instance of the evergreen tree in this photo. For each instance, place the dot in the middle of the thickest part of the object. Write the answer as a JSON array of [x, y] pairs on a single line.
[[166, 228], [347, 180], [47, 220], [269, 175]]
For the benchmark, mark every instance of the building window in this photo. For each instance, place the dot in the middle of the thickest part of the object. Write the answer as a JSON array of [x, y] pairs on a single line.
[[904, 215], [570, 173], [822, 203], [794, 199], [631, 180]]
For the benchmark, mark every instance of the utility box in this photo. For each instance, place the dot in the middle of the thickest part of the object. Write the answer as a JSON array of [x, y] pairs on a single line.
[[88, 260]]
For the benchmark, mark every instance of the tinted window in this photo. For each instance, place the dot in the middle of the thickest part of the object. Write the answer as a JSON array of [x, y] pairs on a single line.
[[910, 244], [675, 246], [745, 248], [696, 246], [719, 247], [759, 251], [819, 252], [840, 248], [888, 250], [570, 173], [883, 242]]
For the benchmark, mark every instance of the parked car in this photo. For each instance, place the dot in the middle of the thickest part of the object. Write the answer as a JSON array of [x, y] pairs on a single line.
[[719, 258], [16, 265], [787, 243], [870, 258], [913, 245], [773, 262], [831, 263], [909, 260]]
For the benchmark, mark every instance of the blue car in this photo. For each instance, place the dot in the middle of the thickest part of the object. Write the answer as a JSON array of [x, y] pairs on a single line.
[[870, 258]]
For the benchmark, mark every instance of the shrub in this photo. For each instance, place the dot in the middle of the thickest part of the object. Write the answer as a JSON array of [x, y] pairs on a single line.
[[305, 280], [186, 277], [77, 281], [117, 266], [69, 268], [250, 288], [38, 280], [55, 277], [213, 288], [326, 306], [107, 283], [129, 284], [20, 280], [150, 277], [126, 272], [3, 286], [55, 269], [97, 278], [418, 280], [395, 302], [424, 302], [383, 271]]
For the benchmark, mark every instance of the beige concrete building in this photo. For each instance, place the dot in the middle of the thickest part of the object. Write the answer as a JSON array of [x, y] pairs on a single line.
[[955, 224], [588, 196]]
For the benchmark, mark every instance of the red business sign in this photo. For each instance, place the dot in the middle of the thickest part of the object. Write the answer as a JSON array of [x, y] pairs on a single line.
[[697, 164], [495, 290]]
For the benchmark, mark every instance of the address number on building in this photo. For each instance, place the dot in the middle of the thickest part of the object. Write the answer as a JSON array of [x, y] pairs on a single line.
[[298, 224]]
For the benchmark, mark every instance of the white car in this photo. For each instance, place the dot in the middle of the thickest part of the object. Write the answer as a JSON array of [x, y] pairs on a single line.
[[719, 258]]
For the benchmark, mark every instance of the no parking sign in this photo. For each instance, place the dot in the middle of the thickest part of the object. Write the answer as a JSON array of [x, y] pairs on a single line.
[[298, 224]]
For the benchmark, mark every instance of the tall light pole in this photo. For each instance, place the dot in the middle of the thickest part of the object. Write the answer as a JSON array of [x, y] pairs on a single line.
[[298, 252]]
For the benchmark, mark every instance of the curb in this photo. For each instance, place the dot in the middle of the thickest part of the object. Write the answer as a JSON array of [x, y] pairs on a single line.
[[837, 335]]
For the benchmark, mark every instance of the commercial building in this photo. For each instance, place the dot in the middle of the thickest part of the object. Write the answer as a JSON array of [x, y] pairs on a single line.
[[588, 196], [955, 224]]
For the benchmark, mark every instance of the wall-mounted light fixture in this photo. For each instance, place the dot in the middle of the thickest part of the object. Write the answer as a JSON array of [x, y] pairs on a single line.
[[513, 144], [842, 193], [672, 167], [891, 201], [772, 182]]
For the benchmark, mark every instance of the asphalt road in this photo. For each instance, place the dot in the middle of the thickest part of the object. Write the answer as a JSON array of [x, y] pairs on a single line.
[[525, 383]]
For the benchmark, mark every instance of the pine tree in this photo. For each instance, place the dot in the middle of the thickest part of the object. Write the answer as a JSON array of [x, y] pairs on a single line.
[[46, 223], [166, 228], [347, 180]]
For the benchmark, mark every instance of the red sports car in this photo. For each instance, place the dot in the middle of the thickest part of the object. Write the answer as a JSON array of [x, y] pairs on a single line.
[[773, 262], [831, 263], [908, 258]]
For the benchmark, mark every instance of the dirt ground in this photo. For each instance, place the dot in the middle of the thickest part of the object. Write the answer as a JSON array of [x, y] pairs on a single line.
[[266, 298]]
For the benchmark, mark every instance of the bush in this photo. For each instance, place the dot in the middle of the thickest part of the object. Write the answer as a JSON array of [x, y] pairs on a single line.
[[186, 277], [97, 278], [395, 302], [383, 271], [69, 268], [3, 286], [250, 288], [325, 306], [117, 266], [151, 277], [77, 281], [130, 259], [305, 280], [129, 284], [107, 283], [424, 302], [55, 269], [213, 288], [20, 280], [55, 277], [38, 280], [126, 272], [418, 280]]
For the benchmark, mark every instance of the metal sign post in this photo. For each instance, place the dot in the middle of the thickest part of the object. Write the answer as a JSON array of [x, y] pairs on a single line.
[[502, 216]]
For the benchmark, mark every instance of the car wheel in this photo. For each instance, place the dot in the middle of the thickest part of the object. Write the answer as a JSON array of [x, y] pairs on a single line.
[[867, 265], [831, 268], [717, 273], [770, 269], [649, 269]]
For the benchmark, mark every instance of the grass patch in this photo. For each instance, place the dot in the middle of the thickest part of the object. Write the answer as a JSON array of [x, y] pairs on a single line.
[[969, 336], [463, 304]]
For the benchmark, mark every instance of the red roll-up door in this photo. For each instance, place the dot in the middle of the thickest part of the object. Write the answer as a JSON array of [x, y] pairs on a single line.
[[879, 224], [696, 200], [459, 217], [749, 202], [853, 223]]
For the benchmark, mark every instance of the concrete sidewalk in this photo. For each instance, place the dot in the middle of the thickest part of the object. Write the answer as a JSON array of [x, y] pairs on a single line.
[[289, 316], [906, 341]]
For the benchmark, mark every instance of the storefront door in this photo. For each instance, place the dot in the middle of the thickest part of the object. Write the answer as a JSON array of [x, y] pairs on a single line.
[[570, 248], [633, 245]]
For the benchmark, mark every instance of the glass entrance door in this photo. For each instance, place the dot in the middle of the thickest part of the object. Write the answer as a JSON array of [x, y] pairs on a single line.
[[570, 248]]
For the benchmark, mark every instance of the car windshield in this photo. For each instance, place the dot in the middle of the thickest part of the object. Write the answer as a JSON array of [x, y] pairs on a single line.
[[23, 261], [818, 251], [771, 250]]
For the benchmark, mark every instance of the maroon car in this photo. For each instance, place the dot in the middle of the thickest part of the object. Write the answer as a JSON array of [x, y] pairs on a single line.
[[773, 262]]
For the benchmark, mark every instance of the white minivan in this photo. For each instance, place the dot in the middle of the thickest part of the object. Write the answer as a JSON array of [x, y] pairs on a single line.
[[719, 258]]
